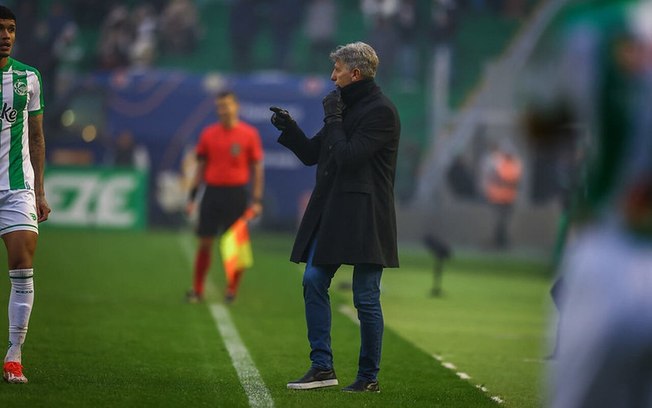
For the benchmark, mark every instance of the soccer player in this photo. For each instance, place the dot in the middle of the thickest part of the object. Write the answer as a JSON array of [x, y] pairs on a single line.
[[227, 153], [605, 342], [22, 196]]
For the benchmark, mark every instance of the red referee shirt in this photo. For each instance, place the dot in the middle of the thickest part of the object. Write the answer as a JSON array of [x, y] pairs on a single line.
[[229, 153]]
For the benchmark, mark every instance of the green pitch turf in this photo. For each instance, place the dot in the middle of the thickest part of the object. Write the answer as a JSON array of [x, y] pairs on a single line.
[[110, 328], [490, 321]]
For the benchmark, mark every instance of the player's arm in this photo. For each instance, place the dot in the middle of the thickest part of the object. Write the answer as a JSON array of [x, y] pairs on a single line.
[[37, 156], [196, 182], [257, 188]]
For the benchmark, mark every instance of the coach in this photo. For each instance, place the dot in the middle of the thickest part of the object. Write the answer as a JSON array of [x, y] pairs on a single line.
[[350, 218]]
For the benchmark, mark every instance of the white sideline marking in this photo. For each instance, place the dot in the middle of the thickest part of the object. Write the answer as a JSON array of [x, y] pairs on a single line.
[[349, 312], [482, 388], [252, 382], [450, 366], [247, 372], [465, 376]]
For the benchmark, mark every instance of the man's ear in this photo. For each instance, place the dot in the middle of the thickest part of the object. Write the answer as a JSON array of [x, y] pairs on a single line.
[[356, 74]]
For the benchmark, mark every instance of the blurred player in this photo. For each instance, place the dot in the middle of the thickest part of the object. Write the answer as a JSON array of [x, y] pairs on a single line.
[[227, 152], [605, 344], [501, 175], [22, 197]]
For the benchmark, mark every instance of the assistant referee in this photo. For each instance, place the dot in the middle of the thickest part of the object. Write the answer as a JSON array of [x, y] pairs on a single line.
[[227, 153]]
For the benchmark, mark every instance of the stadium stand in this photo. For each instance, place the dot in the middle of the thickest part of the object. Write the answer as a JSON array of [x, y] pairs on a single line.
[[483, 29]]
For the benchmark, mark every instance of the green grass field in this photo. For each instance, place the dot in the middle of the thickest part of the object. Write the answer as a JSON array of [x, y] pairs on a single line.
[[110, 328]]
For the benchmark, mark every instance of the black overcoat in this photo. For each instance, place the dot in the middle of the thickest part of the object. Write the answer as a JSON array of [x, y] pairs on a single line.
[[351, 210]]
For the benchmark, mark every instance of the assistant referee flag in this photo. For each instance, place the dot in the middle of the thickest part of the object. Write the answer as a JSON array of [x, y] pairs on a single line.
[[235, 248]]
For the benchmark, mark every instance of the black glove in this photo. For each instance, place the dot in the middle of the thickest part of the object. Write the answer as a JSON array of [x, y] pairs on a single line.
[[281, 118], [333, 106]]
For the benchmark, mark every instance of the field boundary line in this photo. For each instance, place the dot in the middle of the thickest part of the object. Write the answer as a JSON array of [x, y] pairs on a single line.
[[249, 376], [349, 312]]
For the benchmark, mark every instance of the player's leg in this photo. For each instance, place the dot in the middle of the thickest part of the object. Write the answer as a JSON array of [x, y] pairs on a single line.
[[202, 263], [206, 230], [19, 230], [21, 246], [503, 215]]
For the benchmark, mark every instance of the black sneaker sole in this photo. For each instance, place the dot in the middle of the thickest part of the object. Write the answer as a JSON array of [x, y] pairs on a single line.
[[355, 392], [312, 385]]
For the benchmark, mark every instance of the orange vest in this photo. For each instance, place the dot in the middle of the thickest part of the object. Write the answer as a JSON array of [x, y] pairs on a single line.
[[503, 185]]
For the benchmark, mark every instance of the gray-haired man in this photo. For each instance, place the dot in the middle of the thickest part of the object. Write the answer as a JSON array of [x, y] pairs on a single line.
[[350, 218]]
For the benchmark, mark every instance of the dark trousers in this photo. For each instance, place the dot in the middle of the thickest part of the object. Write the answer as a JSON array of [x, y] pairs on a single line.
[[501, 229]]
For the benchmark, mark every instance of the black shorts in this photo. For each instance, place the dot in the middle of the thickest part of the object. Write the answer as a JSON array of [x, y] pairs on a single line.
[[220, 207]]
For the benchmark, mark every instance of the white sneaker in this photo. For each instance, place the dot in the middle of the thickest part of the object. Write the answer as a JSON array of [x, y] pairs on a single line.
[[12, 372]]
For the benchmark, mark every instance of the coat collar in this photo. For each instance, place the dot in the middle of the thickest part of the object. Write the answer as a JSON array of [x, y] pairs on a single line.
[[358, 90]]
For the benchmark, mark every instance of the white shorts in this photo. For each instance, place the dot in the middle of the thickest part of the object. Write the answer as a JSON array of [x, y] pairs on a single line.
[[18, 211]]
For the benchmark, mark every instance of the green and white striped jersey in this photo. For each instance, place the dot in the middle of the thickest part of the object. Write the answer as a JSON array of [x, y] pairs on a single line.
[[21, 94]]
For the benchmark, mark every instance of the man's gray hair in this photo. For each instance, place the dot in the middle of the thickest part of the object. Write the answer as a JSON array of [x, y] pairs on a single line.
[[357, 55]]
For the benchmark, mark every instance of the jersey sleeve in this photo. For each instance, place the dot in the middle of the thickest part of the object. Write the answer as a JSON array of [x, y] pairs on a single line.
[[201, 150], [35, 84], [256, 147]]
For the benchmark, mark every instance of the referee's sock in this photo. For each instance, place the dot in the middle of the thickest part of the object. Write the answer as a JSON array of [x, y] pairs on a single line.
[[202, 262], [21, 300]]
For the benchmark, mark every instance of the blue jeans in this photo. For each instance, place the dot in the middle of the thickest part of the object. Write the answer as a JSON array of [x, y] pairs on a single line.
[[366, 298]]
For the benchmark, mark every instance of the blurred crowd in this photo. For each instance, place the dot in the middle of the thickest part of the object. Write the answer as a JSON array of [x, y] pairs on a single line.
[[136, 36], [63, 36], [397, 29], [130, 34]]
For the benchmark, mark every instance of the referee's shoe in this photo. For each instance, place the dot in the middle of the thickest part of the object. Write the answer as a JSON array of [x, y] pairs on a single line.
[[314, 378]]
